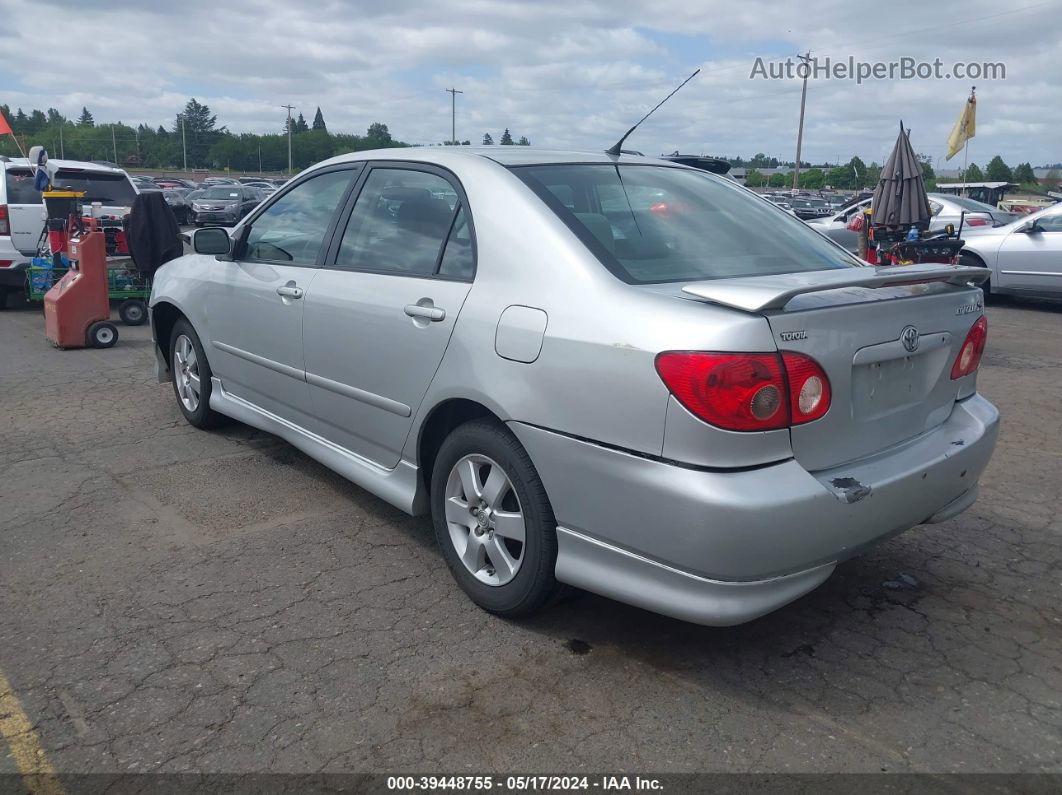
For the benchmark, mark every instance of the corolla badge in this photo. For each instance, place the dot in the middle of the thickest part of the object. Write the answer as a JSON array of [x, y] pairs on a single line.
[[909, 338]]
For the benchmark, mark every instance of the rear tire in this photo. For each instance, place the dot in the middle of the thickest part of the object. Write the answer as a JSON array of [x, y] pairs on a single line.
[[190, 373], [485, 496], [102, 334]]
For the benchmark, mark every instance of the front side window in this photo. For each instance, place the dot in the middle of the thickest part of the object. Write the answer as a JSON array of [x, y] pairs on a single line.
[[399, 223], [651, 224], [292, 229]]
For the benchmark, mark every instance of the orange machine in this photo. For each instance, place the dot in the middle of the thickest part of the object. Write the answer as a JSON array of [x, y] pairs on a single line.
[[77, 309]]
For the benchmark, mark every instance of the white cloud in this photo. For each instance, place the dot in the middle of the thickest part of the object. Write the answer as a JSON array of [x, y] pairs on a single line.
[[572, 73]]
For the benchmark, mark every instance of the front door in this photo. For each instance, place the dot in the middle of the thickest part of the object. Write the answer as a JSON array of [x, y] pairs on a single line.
[[379, 316], [255, 306], [1033, 260]]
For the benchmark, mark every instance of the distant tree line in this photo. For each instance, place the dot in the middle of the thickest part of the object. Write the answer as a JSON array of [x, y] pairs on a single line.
[[194, 134]]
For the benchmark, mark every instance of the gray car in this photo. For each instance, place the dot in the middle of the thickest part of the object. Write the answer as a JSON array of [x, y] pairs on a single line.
[[1025, 257], [946, 209], [589, 370]]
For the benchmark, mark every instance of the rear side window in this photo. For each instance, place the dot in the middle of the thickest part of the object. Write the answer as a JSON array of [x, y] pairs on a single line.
[[399, 224], [651, 224], [20, 188]]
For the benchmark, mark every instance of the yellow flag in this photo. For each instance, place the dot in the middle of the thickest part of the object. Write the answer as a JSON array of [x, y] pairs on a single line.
[[965, 128]]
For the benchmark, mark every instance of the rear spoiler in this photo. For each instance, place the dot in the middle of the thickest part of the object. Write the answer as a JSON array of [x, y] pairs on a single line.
[[759, 293]]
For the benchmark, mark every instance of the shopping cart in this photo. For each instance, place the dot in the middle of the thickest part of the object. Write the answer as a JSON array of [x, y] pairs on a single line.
[[125, 286]]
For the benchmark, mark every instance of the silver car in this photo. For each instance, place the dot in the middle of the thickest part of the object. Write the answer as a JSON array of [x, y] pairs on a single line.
[[619, 374], [1025, 257], [946, 209]]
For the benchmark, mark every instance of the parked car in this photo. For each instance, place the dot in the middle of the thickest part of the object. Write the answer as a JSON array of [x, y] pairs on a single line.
[[946, 210], [1024, 256], [809, 207], [588, 370], [177, 199], [224, 204], [22, 208]]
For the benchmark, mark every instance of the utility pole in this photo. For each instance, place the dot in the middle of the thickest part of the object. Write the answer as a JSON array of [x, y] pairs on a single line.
[[184, 142], [806, 60], [259, 158], [453, 92], [62, 149], [114, 145], [290, 109]]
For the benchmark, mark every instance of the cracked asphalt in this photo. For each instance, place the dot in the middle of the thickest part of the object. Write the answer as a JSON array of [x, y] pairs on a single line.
[[174, 600]]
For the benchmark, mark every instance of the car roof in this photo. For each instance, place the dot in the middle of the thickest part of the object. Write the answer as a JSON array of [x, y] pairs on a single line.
[[83, 165], [505, 155]]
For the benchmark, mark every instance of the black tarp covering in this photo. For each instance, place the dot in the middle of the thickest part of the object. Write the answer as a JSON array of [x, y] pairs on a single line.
[[152, 233]]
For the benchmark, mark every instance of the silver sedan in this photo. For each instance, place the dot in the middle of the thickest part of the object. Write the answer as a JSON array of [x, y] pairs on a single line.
[[946, 209], [1025, 257], [613, 373]]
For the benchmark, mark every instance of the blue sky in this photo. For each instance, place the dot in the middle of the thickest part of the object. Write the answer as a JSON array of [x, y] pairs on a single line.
[[565, 73]]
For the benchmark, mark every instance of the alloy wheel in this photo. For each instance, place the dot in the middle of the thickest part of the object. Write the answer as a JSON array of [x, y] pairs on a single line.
[[186, 373], [485, 520]]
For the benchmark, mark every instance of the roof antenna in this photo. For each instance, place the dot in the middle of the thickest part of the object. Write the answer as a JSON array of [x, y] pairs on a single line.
[[616, 149]]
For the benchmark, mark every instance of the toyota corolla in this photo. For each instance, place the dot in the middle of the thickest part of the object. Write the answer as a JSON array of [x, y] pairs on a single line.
[[609, 372]]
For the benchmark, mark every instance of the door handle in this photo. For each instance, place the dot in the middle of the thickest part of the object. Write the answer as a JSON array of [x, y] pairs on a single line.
[[289, 291], [432, 313]]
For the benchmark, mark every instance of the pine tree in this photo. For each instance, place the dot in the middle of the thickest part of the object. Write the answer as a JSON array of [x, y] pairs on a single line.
[[487, 140], [1024, 174], [506, 139], [301, 125], [86, 119], [523, 141], [998, 171], [318, 121]]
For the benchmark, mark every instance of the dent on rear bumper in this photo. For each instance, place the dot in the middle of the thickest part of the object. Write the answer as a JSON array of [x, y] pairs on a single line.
[[732, 527]]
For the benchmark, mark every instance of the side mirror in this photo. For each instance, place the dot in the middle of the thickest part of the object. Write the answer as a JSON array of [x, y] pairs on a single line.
[[1031, 228], [211, 240]]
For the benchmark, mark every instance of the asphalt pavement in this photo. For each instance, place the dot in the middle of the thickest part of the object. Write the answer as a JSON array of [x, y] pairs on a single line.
[[178, 600]]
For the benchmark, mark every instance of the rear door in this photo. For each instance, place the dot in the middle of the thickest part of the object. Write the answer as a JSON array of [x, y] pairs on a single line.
[[379, 316], [25, 210], [888, 353]]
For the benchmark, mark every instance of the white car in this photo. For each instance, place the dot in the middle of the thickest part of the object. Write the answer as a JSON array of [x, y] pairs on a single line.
[[1025, 256], [22, 209]]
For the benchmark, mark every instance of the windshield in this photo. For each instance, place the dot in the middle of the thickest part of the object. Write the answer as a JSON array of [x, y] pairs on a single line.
[[105, 187], [652, 224], [221, 193]]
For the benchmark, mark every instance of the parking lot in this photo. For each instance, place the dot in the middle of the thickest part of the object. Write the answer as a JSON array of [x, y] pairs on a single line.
[[176, 600]]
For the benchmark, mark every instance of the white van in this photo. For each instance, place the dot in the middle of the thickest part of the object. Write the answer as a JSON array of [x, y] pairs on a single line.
[[22, 209]]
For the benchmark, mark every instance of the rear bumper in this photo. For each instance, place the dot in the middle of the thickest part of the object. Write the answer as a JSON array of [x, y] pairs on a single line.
[[13, 275], [725, 547]]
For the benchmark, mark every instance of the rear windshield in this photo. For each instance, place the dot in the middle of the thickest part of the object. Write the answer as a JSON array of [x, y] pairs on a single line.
[[20, 188], [652, 224], [112, 189], [971, 205]]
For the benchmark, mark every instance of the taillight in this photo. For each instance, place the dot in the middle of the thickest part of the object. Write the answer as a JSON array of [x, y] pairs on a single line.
[[736, 391], [747, 391], [5, 223], [809, 388], [969, 358], [975, 221]]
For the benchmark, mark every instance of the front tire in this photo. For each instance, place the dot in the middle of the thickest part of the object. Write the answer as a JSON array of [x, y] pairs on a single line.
[[191, 375], [493, 521]]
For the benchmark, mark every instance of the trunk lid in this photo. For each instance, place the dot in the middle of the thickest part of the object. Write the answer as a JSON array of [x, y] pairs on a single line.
[[855, 323]]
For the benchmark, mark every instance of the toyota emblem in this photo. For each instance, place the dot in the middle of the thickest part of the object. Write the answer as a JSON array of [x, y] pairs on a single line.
[[909, 338]]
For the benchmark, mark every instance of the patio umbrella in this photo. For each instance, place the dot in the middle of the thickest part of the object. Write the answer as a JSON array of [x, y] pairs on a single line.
[[900, 198]]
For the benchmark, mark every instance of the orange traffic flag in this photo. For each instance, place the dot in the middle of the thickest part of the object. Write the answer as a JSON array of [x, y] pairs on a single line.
[[5, 128]]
